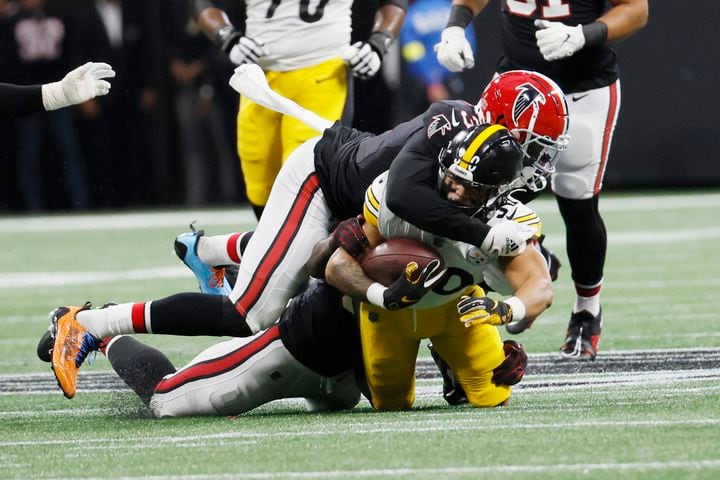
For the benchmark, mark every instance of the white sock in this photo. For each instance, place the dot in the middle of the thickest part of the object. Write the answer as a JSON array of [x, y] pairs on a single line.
[[591, 304], [113, 320], [220, 249]]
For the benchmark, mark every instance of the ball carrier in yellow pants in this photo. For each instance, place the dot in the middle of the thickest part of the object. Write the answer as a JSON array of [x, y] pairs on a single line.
[[390, 341], [467, 339]]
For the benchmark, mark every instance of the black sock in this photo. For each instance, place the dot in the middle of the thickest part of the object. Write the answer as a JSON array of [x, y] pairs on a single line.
[[586, 238], [197, 314], [141, 367]]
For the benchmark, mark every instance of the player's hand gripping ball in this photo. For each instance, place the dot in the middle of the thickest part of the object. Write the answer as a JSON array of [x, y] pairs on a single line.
[[387, 261]]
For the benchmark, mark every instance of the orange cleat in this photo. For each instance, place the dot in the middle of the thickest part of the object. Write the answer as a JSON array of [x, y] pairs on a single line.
[[72, 344]]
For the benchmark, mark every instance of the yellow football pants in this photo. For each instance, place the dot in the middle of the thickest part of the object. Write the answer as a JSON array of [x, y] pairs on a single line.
[[390, 342], [265, 138]]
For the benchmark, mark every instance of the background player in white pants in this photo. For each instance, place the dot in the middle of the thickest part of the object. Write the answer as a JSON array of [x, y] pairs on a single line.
[[570, 43]]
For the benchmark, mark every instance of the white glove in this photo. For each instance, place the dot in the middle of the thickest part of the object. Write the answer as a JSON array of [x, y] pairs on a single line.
[[247, 50], [507, 239], [454, 51], [556, 40], [79, 85], [362, 59]]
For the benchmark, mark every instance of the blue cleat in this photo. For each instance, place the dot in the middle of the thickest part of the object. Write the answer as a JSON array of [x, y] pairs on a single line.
[[211, 279]]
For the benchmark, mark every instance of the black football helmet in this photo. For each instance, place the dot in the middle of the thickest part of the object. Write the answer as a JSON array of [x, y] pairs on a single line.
[[485, 159]]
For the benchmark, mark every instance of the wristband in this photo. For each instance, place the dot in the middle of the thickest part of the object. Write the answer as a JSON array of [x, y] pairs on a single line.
[[460, 16], [226, 37], [375, 294], [53, 96], [595, 34], [518, 308], [380, 42]]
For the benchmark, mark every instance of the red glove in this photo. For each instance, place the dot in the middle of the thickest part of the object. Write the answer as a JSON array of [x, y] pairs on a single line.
[[512, 369], [350, 236]]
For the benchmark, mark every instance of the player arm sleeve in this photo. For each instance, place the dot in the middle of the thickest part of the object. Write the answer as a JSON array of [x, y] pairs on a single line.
[[412, 195], [17, 100]]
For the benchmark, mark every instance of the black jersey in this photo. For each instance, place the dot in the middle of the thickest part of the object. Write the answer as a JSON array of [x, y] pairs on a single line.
[[347, 160], [319, 332], [589, 68], [412, 188]]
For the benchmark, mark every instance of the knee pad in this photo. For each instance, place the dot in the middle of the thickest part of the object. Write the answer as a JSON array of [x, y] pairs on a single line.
[[577, 167]]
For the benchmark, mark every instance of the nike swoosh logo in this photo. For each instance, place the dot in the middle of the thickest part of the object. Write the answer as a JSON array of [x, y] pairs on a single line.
[[453, 121], [567, 37], [575, 98], [407, 300]]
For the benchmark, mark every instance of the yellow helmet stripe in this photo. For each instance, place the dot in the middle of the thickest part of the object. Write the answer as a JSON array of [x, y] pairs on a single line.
[[371, 207], [479, 140]]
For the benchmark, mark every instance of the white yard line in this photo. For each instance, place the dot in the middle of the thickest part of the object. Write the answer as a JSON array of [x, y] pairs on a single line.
[[126, 221], [10, 280], [180, 218], [445, 472], [52, 279], [361, 429]]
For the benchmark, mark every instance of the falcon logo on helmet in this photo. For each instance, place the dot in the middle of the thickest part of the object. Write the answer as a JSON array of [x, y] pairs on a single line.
[[528, 97]]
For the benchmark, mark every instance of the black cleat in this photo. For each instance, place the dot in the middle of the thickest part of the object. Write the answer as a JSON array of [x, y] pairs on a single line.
[[453, 393], [582, 337]]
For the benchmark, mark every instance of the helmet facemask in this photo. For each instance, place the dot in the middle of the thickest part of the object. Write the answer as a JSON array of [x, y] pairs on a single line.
[[540, 153]]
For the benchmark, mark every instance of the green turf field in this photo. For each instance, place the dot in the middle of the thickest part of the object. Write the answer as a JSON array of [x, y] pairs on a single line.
[[656, 415]]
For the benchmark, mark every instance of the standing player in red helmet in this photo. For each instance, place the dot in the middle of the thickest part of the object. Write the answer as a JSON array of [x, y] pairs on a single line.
[[569, 41]]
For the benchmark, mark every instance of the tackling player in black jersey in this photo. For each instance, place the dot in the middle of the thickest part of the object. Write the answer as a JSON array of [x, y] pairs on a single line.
[[323, 181]]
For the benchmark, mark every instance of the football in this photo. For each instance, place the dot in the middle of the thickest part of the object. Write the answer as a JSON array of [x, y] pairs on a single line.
[[387, 261]]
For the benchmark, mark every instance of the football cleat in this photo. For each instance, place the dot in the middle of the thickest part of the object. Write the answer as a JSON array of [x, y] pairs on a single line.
[[211, 280], [47, 341], [45, 346], [553, 263], [582, 337], [453, 392], [72, 345]]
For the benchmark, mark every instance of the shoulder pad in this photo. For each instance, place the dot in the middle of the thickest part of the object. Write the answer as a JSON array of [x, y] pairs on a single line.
[[518, 212]]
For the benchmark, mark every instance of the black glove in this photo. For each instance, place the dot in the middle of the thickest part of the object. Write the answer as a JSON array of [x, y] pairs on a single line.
[[411, 286], [350, 236], [512, 369]]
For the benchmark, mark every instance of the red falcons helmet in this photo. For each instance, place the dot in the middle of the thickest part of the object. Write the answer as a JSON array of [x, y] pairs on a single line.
[[534, 108]]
